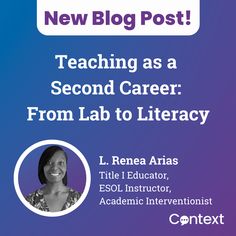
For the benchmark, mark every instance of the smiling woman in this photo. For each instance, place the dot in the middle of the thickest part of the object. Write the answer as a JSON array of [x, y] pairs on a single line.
[[54, 196]]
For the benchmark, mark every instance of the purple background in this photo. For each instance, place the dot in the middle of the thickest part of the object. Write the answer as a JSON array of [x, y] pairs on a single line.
[[206, 70]]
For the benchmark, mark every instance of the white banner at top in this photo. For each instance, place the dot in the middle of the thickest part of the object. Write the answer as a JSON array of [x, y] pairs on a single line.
[[118, 17]]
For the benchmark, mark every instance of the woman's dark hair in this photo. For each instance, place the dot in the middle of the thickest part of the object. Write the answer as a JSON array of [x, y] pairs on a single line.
[[45, 157]]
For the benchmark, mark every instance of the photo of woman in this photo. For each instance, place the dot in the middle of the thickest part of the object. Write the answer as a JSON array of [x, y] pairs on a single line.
[[54, 195]]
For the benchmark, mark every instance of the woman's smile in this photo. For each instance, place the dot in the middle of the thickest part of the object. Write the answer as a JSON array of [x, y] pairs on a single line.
[[54, 174]]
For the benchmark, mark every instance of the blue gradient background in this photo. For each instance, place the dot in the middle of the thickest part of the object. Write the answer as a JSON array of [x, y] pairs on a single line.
[[206, 69]]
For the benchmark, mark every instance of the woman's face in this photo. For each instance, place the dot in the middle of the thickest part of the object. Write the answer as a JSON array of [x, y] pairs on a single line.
[[55, 169]]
